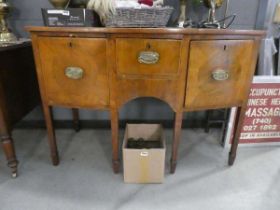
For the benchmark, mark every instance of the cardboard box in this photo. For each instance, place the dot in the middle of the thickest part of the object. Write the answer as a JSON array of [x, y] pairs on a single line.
[[144, 165], [72, 17]]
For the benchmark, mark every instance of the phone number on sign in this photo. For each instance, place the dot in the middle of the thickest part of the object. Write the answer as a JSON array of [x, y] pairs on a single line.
[[262, 127]]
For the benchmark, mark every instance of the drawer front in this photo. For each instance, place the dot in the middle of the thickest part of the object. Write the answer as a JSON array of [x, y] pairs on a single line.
[[74, 71], [147, 57], [218, 74]]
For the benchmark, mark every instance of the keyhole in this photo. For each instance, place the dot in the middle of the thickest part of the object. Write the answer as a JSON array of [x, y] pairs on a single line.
[[225, 47], [148, 46], [70, 44]]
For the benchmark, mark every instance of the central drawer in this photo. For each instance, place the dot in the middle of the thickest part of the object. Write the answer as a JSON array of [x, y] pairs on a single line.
[[147, 57]]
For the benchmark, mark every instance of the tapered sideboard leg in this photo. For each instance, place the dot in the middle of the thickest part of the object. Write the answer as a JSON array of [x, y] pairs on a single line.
[[76, 120], [8, 146], [115, 139], [240, 114], [51, 134], [176, 140]]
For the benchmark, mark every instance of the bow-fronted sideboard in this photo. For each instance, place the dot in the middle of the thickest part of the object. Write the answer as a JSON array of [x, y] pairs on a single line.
[[104, 68]]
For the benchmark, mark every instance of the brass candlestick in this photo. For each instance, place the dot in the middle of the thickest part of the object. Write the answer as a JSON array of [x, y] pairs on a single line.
[[212, 5], [6, 36]]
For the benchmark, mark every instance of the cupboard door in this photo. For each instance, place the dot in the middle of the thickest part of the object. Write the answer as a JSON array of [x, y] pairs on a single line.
[[218, 73], [74, 71]]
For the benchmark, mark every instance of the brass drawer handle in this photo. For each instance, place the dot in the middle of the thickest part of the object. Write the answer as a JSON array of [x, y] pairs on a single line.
[[220, 75], [74, 73], [148, 57]]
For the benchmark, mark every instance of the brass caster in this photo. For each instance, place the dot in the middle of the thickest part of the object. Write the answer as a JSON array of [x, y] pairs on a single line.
[[14, 175]]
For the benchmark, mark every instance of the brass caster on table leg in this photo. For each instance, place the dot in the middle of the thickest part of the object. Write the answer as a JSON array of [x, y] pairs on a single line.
[[116, 166], [14, 175], [13, 166], [173, 165], [14, 172]]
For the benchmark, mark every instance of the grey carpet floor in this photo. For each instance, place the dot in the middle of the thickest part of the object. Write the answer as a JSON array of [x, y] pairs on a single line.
[[84, 179]]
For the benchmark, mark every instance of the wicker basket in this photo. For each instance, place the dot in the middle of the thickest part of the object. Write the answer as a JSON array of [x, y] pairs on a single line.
[[146, 17]]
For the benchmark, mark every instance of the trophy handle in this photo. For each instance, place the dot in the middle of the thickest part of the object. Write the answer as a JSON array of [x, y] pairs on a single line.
[[212, 12]]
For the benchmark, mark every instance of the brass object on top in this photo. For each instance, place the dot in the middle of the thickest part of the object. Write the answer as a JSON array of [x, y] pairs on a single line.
[[212, 5], [75, 73], [59, 4], [220, 75], [148, 57], [6, 36]]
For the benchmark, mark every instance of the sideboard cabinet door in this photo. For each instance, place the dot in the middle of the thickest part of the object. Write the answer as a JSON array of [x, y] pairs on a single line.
[[218, 73], [74, 71]]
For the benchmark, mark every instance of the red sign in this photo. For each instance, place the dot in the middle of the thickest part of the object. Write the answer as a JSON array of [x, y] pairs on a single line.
[[262, 118]]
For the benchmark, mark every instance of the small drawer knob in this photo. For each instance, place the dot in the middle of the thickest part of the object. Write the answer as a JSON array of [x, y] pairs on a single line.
[[220, 75], [74, 73]]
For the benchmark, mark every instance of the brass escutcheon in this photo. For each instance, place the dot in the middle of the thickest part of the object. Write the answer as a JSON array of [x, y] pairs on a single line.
[[220, 75], [74, 73], [148, 57]]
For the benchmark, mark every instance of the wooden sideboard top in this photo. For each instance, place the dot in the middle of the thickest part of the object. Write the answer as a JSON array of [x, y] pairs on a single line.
[[174, 31]]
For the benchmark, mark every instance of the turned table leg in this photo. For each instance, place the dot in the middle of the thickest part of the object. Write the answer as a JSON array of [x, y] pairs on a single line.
[[176, 140], [7, 141], [115, 139], [51, 134], [8, 146], [76, 121], [240, 115]]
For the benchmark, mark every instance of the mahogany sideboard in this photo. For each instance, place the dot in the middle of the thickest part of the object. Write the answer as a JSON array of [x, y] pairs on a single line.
[[104, 68], [19, 93]]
